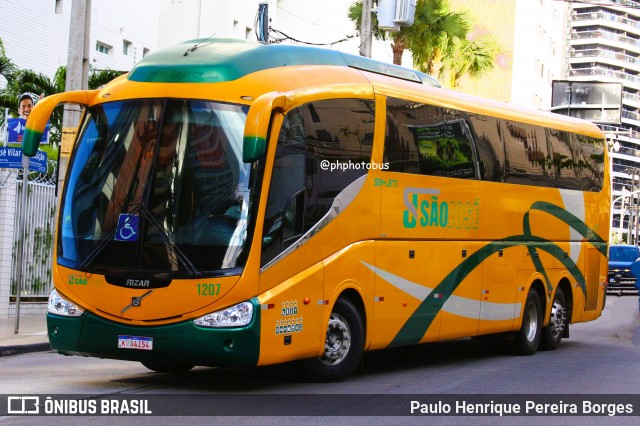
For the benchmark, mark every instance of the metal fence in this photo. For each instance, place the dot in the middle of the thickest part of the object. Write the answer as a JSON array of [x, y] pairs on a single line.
[[38, 217]]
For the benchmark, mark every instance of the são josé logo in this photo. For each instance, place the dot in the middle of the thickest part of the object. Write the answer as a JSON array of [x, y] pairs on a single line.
[[426, 208]]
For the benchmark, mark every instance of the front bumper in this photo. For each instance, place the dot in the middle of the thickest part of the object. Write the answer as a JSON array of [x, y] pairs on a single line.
[[621, 279], [183, 343]]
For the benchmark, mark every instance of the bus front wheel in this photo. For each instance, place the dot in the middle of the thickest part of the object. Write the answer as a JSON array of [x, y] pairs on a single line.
[[528, 337], [343, 345]]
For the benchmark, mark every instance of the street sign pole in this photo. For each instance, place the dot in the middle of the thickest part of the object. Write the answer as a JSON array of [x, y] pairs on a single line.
[[21, 237]]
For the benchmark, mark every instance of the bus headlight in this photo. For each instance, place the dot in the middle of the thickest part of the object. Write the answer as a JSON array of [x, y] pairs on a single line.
[[60, 306], [233, 316]]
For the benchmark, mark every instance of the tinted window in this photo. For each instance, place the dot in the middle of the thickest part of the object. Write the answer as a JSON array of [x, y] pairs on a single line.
[[313, 139], [428, 140], [158, 186], [623, 254]]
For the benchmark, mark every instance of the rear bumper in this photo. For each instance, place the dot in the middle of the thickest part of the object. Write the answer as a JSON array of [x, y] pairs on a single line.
[[183, 343]]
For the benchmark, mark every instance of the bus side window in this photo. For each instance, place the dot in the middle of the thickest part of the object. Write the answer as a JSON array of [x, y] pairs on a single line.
[[321, 148], [429, 140]]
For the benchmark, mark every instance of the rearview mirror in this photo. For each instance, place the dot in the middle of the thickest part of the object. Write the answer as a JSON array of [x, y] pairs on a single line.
[[254, 143], [42, 111]]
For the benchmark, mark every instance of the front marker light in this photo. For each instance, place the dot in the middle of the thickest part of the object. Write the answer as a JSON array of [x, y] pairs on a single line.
[[233, 316], [60, 306]]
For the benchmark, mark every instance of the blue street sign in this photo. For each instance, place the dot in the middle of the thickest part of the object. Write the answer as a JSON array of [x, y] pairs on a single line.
[[11, 158], [38, 162]]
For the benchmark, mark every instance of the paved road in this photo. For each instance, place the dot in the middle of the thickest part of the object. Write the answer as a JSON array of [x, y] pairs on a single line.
[[601, 357]]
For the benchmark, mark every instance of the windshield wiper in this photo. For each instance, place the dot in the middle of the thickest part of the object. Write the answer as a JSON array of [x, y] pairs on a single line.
[[191, 269], [97, 250], [143, 211]]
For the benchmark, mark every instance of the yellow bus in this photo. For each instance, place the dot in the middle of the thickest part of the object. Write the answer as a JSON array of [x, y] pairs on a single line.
[[230, 203]]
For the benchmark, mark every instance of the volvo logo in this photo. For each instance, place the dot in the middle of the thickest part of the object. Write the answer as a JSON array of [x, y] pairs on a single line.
[[136, 300]]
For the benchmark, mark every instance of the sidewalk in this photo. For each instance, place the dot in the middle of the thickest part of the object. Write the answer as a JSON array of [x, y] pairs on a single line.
[[31, 336]]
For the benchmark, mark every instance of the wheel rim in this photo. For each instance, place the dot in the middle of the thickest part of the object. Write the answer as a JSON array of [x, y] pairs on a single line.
[[531, 319], [338, 342], [558, 319]]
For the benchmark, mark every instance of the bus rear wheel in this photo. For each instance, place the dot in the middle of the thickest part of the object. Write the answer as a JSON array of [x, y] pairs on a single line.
[[165, 367], [343, 345], [552, 334], [528, 337]]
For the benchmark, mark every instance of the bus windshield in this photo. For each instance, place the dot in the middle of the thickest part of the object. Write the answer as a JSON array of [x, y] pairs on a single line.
[[157, 186]]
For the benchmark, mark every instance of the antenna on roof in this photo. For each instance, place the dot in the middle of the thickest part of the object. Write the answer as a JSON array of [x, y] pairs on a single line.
[[198, 44]]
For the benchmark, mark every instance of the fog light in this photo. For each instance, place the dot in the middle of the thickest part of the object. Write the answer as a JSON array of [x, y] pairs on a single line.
[[229, 345]]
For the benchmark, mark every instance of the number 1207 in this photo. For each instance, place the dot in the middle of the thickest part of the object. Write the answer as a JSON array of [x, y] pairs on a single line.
[[208, 289]]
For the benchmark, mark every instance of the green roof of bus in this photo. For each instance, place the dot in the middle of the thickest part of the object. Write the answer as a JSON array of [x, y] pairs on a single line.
[[216, 60]]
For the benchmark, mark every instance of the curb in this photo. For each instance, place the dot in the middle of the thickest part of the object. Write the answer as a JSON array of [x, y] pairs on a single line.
[[23, 349]]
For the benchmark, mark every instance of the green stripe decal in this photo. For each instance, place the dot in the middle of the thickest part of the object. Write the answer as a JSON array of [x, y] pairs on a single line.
[[419, 322]]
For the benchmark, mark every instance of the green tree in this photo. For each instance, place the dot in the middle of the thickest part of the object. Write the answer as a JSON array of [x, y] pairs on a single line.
[[472, 58], [7, 67], [39, 84], [433, 32], [7, 70]]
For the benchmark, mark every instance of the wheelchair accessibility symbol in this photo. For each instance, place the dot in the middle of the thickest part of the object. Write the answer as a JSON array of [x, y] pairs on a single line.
[[127, 229]]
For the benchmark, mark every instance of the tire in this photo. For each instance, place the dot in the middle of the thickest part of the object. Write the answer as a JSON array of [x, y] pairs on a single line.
[[343, 345], [165, 367], [528, 337], [552, 334]]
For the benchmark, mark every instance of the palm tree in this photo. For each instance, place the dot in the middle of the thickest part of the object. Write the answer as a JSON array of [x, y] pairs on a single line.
[[7, 68], [432, 32], [355, 16], [98, 78], [39, 84], [468, 57]]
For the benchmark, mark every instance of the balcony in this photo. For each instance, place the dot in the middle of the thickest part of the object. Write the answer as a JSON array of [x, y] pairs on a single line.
[[632, 133], [598, 71], [606, 35], [605, 16], [604, 53]]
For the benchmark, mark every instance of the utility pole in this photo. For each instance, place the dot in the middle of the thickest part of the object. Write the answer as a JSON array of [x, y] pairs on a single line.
[[77, 77], [366, 24]]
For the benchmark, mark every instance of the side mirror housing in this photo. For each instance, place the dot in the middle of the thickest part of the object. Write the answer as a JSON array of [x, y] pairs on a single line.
[[254, 143], [42, 111]]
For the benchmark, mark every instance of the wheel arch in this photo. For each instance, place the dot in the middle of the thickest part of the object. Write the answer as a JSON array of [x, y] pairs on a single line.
[[540, 288], [565, 286], [355, 297]]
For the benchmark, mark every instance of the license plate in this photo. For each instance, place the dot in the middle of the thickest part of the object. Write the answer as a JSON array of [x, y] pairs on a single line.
[[135, 342]]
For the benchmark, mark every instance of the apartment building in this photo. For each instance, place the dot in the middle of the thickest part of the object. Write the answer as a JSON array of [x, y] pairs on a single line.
[[35, 34], [604, 50]]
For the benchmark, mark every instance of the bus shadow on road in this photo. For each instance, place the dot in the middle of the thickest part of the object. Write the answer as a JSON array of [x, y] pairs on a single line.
[[428, 356]]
